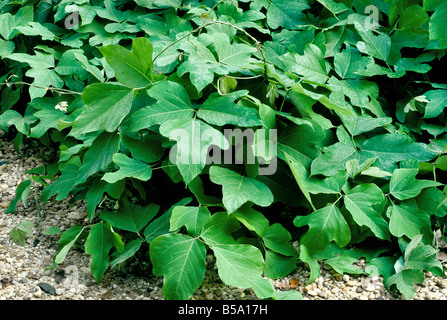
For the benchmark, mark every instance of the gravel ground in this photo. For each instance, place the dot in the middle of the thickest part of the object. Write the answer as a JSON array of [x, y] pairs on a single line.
[[23, 275]]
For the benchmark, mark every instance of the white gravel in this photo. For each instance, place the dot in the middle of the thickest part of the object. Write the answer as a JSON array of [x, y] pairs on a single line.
[[23, 275]]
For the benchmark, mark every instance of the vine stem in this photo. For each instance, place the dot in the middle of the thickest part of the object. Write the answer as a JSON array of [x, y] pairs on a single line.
[[58, 90]]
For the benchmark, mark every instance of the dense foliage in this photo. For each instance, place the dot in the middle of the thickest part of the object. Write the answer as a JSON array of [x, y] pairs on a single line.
[[347, 94]]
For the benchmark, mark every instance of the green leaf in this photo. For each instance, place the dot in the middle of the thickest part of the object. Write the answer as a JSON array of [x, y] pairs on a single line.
[[348, 61], [334, 7], [392, 148], [219, 228], [233, 55], [98, 244], [149, 149], [172, 103], [66, 242], [18, 236], [405, 280], [52, 231], [437, 102], [158, 4], [360, 202], [359, 124], [253, 220], [406, 220], [238, 189], [131, 217], [180, 259], [37, 61], [404, 185], [96, 192], [221, 110], [353, 168], [241, 265], [9, 22], [376, 46], [299, 173], [381, 266], [437, 38], [18, 233], [334, 159], [88, 67], [325, 225], [99, 155], [194, 137], [278, 239], [36, 29], [197, 188], [22, 192], [108, 105], [132, 68], [48, 119], [311, 65], [129, 251], [63, 185], [45, 78], [423, 258], [288, 15], [6, 48], [277, 265], [330, 185], [129, 168], [201, 65], [193, 218]]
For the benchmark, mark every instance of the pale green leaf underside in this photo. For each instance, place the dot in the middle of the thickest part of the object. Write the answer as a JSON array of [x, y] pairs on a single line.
[[180, 259]]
